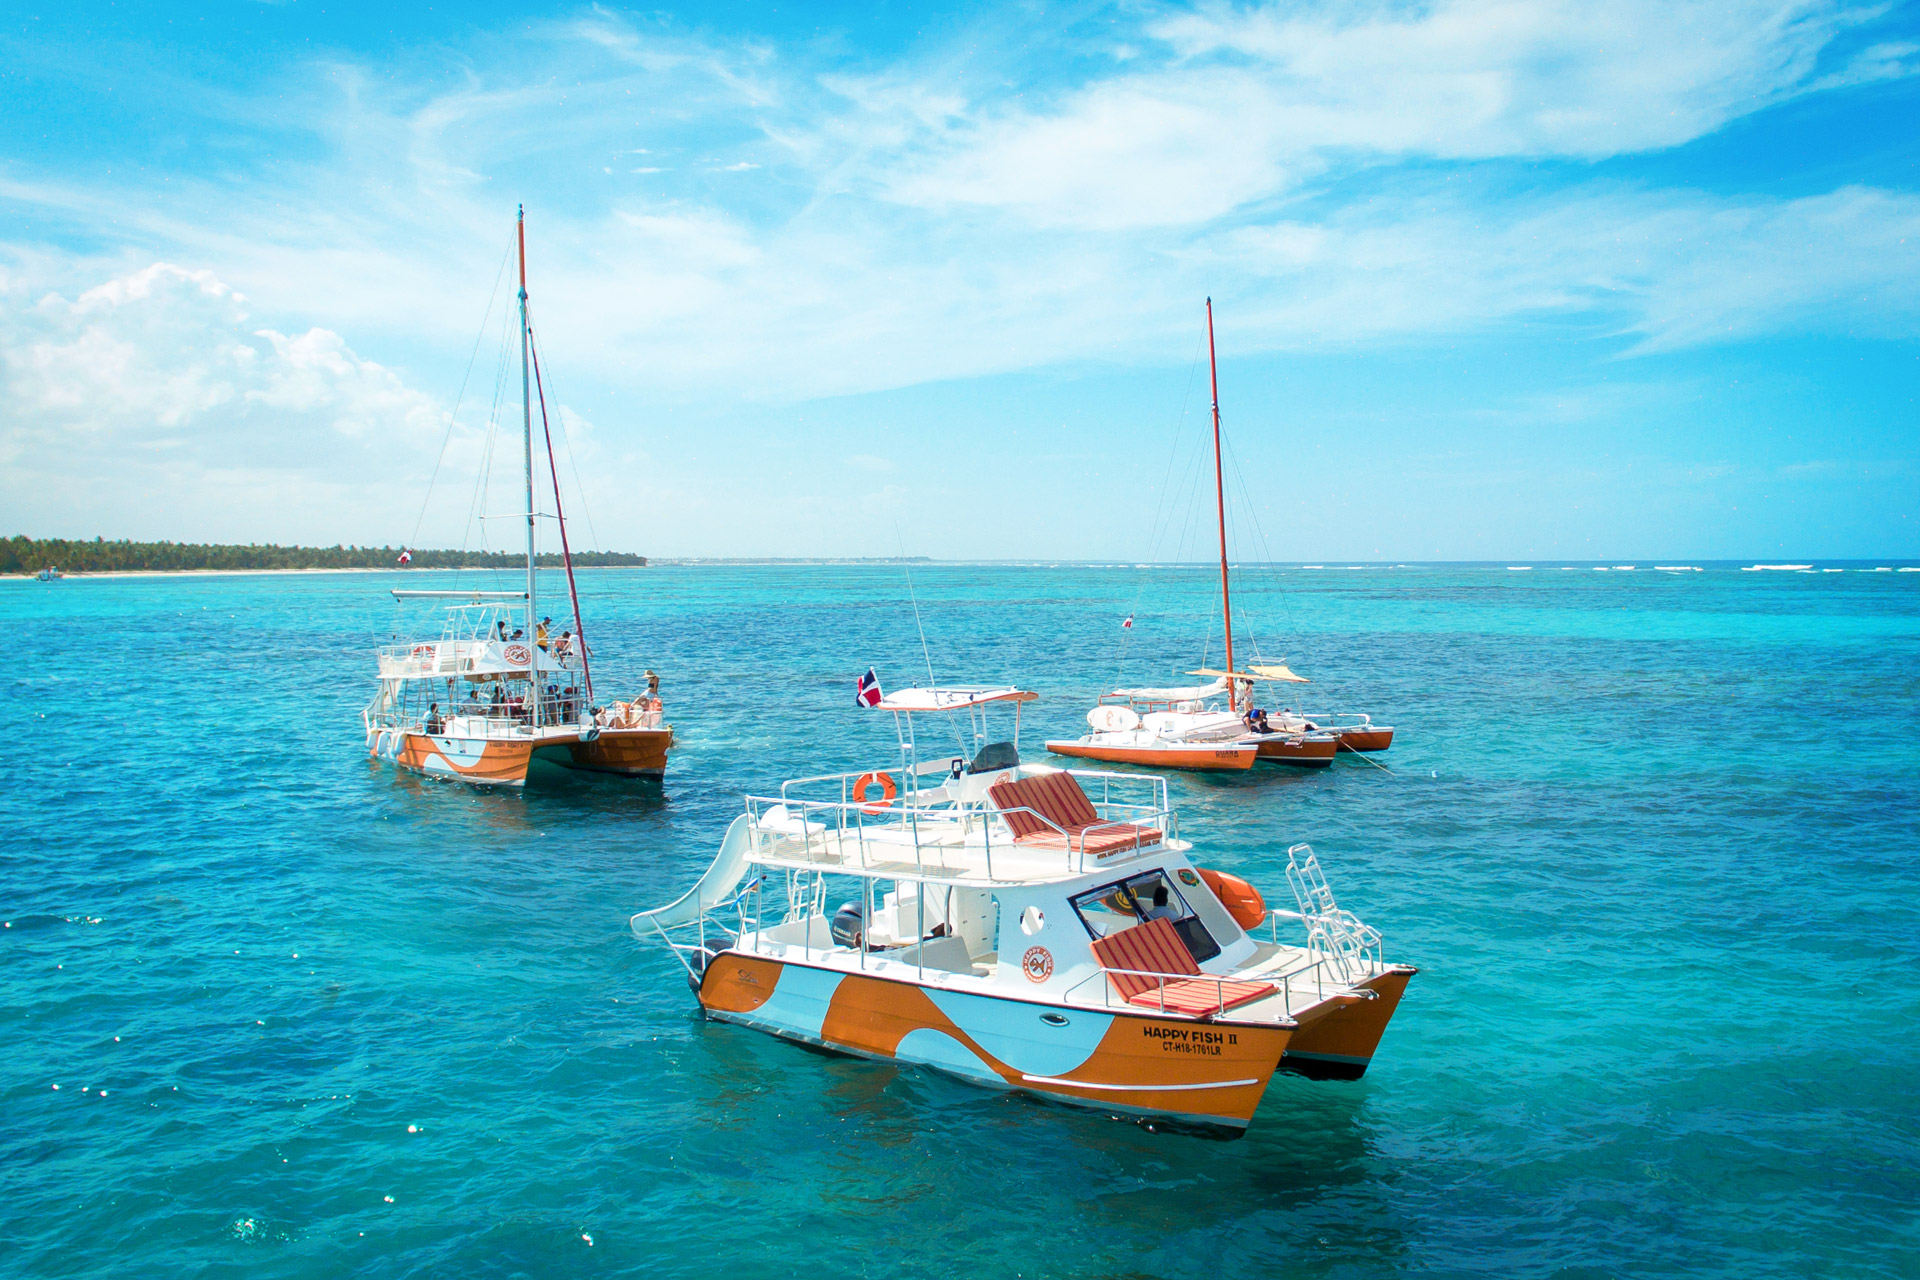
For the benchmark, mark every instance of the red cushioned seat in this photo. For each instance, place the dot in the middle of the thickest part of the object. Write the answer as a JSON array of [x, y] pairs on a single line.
[[1056, 799], [1154, 948]]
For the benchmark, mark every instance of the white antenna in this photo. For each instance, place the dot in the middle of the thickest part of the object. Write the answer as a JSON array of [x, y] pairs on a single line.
[[914, 600], [924, 652]]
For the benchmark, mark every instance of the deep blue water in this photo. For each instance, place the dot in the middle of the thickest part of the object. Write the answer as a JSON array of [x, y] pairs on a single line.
[[1651, 839]]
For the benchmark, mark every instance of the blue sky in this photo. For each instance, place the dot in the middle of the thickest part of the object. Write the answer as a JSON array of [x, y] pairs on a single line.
[[1493, 280]]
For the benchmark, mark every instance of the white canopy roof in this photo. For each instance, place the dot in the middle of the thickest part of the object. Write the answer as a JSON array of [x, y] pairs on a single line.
[[1188, 693], [432, 659], [951, 699]]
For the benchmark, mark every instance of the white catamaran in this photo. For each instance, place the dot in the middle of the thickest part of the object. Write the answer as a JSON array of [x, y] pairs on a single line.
[[1186, 727]]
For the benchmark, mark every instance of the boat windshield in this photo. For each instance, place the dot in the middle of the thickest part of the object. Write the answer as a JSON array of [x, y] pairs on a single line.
[[1113, 908]]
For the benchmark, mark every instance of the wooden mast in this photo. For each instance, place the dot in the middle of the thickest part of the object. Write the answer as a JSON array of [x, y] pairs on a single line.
[[526, 411], [1220, 496]]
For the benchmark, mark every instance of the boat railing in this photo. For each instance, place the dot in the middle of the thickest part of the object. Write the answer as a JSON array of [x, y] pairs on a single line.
[[881, 831], [483, 720], [1336, 719], [1319, 979], [1152, 788]]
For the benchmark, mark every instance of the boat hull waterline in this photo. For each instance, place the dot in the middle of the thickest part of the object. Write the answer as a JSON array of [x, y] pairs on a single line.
[[1210, 1074]]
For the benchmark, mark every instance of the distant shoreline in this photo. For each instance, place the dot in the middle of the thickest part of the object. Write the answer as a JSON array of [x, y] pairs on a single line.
[[1888, 564], [95, 575]]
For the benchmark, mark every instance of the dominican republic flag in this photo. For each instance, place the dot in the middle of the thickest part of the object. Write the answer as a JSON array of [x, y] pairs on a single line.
[[1128, 624], [869, 694], [406, 556]]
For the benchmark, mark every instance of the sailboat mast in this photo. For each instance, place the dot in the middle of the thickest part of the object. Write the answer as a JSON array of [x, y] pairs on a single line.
[[1220, 497], [526, 413]]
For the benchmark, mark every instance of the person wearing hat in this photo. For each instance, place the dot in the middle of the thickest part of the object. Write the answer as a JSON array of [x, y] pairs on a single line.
[[540, 633]]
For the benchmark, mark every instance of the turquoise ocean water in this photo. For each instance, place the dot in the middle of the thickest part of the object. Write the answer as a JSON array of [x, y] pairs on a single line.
[[1651, 838]]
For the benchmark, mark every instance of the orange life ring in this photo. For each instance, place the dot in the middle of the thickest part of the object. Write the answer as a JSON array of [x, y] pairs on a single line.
[[887, 791], [1242, 901]]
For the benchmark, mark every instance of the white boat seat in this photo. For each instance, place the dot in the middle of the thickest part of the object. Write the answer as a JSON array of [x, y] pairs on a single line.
[[783, 821], [948, 954]]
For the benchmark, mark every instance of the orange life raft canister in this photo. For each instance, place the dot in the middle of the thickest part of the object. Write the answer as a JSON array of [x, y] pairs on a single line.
[[1242, 901]]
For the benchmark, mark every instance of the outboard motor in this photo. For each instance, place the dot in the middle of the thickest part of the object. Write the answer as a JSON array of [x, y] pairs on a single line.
[[705, 954], [849, 924]]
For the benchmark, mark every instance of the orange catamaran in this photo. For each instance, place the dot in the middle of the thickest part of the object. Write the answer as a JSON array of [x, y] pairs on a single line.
[[495, 692], [1186, 727]]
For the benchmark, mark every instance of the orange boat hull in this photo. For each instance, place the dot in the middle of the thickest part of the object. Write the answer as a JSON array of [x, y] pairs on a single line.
[[637, 753], [1365, 739], [490, 763], [1339, 1045], [1132, 1061], [1227, 756], [1310, 753]]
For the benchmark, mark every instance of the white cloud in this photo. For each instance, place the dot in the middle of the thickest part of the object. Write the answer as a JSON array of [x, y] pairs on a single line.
[[156, 388], [1259, 99], [1666, 270]]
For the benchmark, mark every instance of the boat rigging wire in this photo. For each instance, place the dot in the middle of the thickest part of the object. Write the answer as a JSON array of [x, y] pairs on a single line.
[[1159, 506], [573, 462], [559, 515], [925, 653], [454, 417]]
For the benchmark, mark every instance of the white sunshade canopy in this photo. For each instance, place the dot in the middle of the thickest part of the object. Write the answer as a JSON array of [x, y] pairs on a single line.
[[435, 658], [951, 699], [1187, 693]]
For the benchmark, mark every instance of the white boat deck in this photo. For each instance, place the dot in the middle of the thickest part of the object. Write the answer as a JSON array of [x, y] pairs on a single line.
[[974, 849]]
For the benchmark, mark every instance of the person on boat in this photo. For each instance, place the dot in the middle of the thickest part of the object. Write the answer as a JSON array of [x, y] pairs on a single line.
[[434, 723], [1256, 721], [500, 628], [1160, 910], [518, 633], [540, 632], [499, 697], [563, 648]]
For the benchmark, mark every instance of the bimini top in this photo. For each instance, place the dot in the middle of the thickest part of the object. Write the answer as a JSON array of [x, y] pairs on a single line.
[[951, 699], [433, 659]]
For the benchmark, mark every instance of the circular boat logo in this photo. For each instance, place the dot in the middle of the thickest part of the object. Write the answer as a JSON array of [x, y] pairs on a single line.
[[1188, 879], [423, 652], [519, 655], [1037, 964]]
